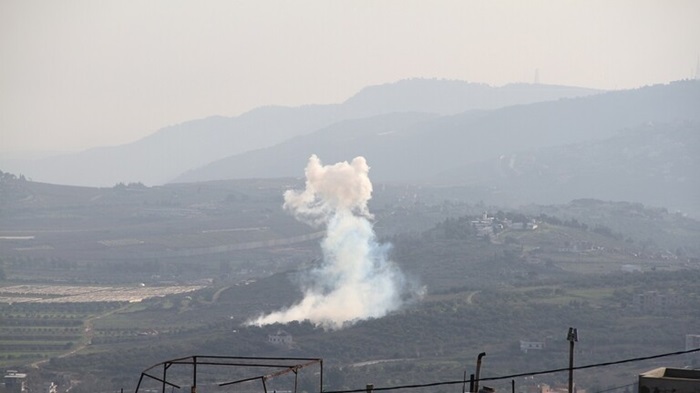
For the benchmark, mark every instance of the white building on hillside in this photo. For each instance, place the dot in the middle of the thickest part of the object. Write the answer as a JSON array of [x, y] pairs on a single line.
[[280, 338]]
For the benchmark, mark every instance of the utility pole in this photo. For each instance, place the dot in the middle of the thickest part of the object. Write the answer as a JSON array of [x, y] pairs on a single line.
[[478, 371], [464, 382], [572, 337]]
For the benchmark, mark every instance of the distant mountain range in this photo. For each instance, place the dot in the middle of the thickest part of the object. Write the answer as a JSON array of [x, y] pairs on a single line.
[[638, 145], [171, 151], [514, 144], [412, 147]]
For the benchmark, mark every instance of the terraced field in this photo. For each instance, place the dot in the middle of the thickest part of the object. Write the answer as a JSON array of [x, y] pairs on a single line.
[[38, 322]]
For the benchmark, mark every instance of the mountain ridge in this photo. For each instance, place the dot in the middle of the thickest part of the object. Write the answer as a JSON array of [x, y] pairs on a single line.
[[446, 142], [405, 148], [173, 150]]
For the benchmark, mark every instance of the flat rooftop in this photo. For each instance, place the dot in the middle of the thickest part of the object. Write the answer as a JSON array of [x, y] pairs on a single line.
[[672, 373]]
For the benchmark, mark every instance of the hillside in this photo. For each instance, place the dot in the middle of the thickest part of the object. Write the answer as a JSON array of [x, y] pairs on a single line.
[[170, 151], [338, 142], [482, 293], [141, 233], [464, 149], [654, 164]]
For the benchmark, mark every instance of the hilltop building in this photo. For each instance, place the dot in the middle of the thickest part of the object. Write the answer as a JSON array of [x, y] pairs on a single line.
[[524, 226], [483, 226], [526, 346], [280, 338], [674, 380]]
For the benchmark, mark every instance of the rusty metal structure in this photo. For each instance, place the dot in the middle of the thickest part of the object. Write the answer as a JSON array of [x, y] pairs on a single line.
[[281, 365]]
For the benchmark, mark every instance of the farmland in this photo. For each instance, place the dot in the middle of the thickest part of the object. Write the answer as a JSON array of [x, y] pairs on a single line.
[[41, 321], [146, 274]]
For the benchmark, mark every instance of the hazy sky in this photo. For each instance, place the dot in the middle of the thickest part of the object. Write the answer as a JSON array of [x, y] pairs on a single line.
[[78, 74]]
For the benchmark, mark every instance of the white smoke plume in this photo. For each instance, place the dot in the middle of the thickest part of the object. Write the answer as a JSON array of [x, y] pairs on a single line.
[[356, 280]]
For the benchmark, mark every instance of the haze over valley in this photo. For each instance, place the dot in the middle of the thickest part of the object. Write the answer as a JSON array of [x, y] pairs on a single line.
[[565, 209], [217, 196]]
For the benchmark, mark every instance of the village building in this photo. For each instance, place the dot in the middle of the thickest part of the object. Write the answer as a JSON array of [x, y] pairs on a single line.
[[15, 381], [653, 301], [526, 346], [664, 379], [280, 338]]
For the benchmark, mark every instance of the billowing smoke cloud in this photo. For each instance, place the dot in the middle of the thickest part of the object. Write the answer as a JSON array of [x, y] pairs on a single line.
[[356, 280]]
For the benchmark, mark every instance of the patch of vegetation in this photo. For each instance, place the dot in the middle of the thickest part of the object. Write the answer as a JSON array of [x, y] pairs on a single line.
[[584, 265]]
